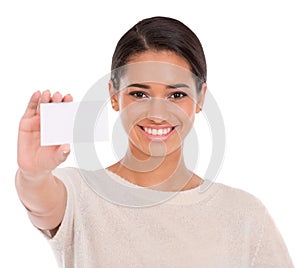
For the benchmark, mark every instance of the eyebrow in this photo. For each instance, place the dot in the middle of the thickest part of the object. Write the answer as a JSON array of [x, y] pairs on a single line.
[[178, 86], [139, 86], [148, 87]]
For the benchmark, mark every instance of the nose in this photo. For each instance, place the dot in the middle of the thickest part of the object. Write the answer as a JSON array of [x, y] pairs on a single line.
[[158, 110]]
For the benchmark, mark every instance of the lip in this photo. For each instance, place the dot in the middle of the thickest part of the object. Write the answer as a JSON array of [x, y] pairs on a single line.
[[157, 137]]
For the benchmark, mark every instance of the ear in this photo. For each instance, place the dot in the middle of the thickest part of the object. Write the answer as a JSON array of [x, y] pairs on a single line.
[[114, 96], [201, 97]]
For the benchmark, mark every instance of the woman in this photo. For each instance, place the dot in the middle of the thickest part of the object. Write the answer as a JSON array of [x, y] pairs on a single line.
[[158, 84]]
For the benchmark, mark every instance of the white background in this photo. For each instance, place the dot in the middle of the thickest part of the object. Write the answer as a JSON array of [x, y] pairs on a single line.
[[253, 58]]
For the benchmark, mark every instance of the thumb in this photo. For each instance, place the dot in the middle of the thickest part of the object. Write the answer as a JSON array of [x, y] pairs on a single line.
[[63, 152]]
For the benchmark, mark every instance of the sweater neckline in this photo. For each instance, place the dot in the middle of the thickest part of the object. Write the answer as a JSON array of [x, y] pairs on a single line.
[[197, 194]]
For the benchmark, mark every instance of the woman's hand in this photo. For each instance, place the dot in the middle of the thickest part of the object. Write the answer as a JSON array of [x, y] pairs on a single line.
[[33, 159]]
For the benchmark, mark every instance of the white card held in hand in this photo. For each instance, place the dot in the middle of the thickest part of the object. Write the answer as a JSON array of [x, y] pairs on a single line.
[[72, 122]]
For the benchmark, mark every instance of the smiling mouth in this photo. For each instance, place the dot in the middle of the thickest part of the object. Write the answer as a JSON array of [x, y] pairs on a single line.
[[158, 132]]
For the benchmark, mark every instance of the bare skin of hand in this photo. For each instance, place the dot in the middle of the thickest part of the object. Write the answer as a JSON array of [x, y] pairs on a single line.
[[33, 159]]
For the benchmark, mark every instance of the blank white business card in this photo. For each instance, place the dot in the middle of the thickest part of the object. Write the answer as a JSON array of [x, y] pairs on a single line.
[[73, 122]]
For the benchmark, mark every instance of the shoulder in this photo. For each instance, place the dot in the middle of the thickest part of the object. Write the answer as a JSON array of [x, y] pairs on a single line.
[[237, 200], [73, 172], [67, 174], [77, 178], [239, 210], [72, 177]]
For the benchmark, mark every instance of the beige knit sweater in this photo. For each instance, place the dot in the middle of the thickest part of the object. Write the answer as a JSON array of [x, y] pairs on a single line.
[[220, 227]]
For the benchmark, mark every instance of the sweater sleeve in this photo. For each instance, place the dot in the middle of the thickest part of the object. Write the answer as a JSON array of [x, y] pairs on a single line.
[[62, 242], [271, 250]]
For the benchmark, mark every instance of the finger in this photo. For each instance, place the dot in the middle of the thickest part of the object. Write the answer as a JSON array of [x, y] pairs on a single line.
[[57, 97], [45, 98], [67, 98], [32, 104]]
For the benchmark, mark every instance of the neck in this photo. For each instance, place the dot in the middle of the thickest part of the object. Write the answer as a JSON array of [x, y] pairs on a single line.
[[164, 173]]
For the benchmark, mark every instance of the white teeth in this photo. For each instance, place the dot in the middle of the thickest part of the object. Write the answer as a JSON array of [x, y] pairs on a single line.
[[157, 132]]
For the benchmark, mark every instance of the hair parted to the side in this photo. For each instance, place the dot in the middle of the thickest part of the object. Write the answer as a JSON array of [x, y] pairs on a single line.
[[160, 33]]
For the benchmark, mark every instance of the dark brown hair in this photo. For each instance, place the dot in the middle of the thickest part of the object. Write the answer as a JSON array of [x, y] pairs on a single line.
[[160, 33]]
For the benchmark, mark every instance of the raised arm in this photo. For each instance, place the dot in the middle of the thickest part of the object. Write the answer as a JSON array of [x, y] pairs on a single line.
[[43, 195]]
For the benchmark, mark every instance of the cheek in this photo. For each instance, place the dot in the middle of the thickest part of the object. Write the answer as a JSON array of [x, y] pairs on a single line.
[[187, 116], [131, 113], [123, 101], [189, 109], [126, 112]]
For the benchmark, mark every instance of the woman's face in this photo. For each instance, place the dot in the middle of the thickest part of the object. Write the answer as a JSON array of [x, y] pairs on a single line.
[[157, 101]]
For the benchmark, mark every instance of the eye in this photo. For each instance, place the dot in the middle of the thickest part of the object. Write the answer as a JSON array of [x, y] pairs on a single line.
[[138, 94], [178, 95]]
